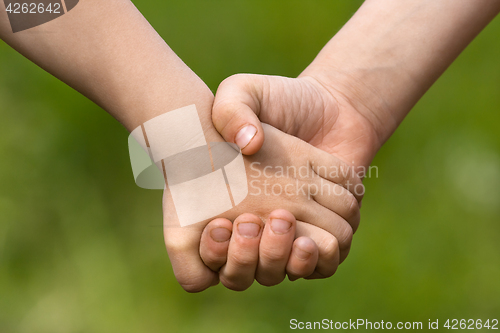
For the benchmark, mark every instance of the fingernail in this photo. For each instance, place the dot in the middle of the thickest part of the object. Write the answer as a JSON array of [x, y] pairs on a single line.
[[248, 229], [280, 227], [245, 135], [301, 254], [220, 235]]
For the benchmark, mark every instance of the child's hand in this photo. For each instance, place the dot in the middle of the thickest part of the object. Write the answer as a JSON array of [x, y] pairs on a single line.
[[315, 193]]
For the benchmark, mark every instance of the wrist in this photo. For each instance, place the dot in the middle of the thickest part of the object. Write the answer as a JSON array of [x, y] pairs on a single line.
[[142, 100], [363, 98], [357, 124]]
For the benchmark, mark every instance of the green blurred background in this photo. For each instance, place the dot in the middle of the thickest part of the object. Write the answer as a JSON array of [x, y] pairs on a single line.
[[81, 246]]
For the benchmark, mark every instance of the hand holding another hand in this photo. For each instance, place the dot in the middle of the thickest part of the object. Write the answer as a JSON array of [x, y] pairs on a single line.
[[287, 173]]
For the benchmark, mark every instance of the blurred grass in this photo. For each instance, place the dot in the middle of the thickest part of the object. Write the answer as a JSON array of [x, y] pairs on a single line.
[[81, 247]]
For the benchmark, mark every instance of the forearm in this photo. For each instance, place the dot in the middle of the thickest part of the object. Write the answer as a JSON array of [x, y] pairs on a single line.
[[109, 52], [391, 51]]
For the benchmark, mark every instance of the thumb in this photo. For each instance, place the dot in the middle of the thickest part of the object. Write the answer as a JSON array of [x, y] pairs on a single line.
[[236, 109]]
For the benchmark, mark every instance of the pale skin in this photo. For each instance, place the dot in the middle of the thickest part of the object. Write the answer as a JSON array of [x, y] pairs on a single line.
[[363, 83], [132, 73]]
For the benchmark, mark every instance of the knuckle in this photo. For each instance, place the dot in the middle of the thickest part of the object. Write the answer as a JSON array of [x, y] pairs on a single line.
[[225, 107], [351, 205], [348, 178], [226, 116], [345, 238], [328, 247], [240, 261], [329, 251], [272, 256], [346, 203]]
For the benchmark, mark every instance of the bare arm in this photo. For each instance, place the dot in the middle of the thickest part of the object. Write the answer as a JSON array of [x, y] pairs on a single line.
[[107, 51], [110, 53], [391, 51]]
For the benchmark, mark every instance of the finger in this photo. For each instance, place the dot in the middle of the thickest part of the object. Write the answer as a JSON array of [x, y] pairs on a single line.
[[303, 259], [215, 243], [183, 250], [328, 249], [183, 247], [235, 111], [337, 171], [275, 246], [331, 223], [243, 254], [337, 199]]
